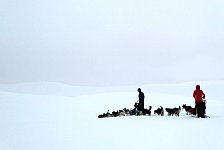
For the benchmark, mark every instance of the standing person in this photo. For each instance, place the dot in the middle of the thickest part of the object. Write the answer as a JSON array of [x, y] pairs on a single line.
[[199, 103], [141, 97]]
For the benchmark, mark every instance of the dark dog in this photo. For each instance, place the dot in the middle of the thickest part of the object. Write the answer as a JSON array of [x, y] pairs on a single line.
[[133, 111], [115, 113], [170, 111], [189, 110], [159, 111], [104, 115], [118, 113], [177, 111], [147, 111], [126, 112], [173, 111]]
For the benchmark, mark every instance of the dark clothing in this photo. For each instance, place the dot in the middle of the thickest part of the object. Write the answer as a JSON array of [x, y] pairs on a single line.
[[200, 109], [141, 100]]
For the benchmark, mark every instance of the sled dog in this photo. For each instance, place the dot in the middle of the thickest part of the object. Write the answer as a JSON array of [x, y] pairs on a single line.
[[173, 111], [159, 111], [189, 110]]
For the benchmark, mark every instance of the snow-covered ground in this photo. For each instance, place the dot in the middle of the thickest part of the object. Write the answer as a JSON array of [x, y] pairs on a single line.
[[53, 116]]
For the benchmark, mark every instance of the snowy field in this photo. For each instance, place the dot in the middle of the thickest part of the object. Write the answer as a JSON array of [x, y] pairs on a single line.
[[53, 116]]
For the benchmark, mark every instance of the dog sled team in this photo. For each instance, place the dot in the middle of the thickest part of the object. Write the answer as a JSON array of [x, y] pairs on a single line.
[[139, 109]]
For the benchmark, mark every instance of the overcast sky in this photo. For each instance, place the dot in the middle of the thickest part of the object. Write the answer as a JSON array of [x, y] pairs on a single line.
[[111, 42]]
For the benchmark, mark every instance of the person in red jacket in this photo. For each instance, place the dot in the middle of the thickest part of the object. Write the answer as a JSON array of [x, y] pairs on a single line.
[[199, 97]]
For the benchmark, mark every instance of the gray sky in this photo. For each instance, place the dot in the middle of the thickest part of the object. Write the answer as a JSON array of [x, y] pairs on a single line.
[[111, 42]]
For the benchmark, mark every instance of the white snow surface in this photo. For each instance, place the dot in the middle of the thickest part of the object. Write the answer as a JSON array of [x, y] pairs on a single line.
[[54, 116]]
